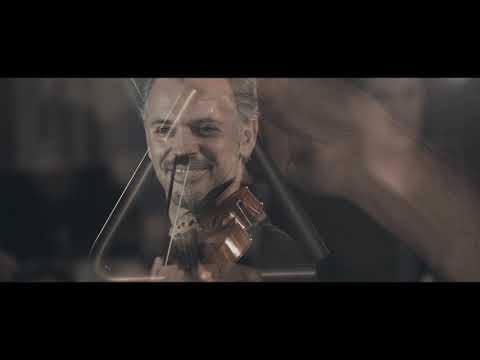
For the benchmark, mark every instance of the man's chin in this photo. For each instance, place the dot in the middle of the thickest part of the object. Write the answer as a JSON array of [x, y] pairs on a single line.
[[194, 190], [189, 201]]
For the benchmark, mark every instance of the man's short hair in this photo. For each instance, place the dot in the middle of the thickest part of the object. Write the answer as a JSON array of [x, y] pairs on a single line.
[[244, 90]]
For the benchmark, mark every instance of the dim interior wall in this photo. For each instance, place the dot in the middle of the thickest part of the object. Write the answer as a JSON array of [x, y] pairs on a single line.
[[7, 140], [69, 124]]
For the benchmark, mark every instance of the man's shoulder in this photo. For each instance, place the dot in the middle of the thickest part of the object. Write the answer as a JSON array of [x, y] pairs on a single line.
[[273, 247], [271, 233]]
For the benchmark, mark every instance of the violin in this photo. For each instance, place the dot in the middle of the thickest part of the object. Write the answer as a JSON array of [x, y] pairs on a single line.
[[224, 232], [217, 233], [229, 227]]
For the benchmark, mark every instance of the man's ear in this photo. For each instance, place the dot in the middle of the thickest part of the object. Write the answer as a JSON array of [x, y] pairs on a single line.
[[248, 139]]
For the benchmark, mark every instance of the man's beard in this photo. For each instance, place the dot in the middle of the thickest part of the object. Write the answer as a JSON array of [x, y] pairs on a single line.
[[189, 200]]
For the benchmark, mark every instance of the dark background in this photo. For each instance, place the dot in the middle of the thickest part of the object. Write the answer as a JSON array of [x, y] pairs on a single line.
[[68, 146]]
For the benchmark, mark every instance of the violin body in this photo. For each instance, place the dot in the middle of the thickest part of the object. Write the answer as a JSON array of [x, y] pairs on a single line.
[[214, 240], [227, 229]]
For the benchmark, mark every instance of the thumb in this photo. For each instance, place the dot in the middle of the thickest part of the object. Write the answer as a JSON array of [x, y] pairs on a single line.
[[157, 267]]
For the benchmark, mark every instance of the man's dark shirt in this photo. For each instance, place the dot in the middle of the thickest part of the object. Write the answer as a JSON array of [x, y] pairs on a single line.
[[272, 246], [361, 249]]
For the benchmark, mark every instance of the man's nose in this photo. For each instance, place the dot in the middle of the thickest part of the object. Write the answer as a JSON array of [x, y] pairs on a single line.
[[184, 142]]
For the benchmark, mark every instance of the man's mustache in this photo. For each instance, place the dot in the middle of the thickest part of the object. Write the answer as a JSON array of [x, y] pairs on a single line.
[[195, 164]]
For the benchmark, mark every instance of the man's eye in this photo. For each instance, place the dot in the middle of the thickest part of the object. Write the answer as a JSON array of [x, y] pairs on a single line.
[[161, 130], [207, 130]]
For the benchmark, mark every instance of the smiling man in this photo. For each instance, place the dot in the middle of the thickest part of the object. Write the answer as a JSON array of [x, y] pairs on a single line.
[[213, 123], [211, 132]]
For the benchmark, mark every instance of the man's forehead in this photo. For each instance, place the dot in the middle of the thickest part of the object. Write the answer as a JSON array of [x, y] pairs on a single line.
[[165, 92], [206, 88]]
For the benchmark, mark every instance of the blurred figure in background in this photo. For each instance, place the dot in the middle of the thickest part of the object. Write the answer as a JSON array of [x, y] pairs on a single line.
[[343, 144], [405, 100], [362, 250], [60, 181]]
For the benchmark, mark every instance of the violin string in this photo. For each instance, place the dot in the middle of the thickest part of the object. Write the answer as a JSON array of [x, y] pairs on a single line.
[[167, 117], [139, 93], [179, 240], [188, 240], [183, 245], [185, 248], [130, 181], [169, 114], [174, 232], [180, 113], [117, 204]]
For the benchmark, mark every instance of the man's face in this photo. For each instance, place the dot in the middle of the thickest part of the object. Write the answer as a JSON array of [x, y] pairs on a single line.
[[208, 131]]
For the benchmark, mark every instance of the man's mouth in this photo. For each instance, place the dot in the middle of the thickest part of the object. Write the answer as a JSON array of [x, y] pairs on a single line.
[[180, 171], [194, 173], [192, 176]]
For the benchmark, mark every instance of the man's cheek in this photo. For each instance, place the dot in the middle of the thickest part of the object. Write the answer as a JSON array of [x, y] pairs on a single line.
[[222, 150], [210, 152], [157, 153]]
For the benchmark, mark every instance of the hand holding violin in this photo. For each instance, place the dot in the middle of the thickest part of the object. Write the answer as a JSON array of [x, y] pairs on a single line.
[[223, 238], [204, 273]]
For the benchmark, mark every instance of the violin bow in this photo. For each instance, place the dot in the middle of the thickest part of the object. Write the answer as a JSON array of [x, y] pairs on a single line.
[[135, 183]]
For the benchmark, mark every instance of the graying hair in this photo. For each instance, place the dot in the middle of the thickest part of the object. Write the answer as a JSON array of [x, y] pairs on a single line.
[[244, 91]]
